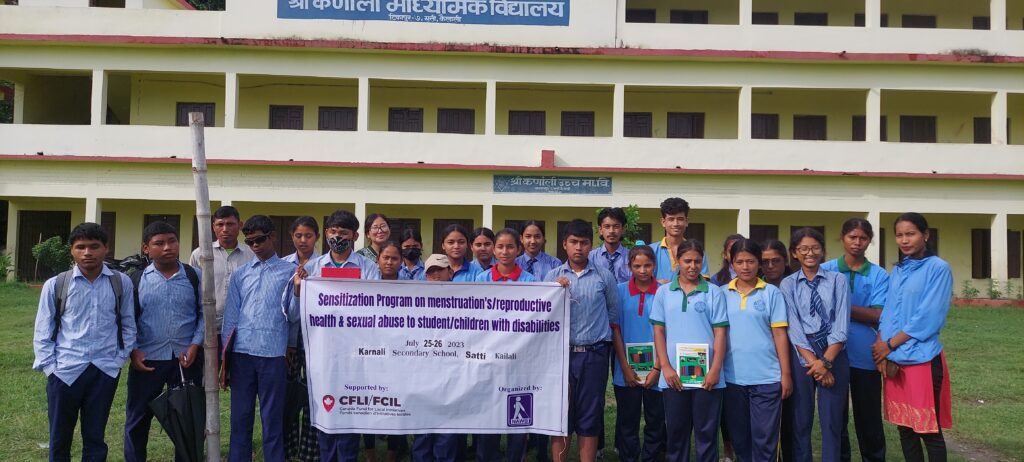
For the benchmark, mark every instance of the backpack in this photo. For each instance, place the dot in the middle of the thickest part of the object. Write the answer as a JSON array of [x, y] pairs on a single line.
[[190, 273], [62, 286]]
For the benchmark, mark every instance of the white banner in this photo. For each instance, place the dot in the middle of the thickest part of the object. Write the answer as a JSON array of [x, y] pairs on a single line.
[[407, 357]]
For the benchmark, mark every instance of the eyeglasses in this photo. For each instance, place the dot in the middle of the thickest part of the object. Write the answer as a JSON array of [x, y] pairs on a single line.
[[256, 240], [808, 250], [379, 229]]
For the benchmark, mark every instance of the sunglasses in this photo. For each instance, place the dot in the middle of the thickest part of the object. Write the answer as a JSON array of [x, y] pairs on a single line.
[[257, 240]]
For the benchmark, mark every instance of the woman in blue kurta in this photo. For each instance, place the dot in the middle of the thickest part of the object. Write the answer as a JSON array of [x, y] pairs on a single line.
[[634, 395], [917, 394], [868, 285], [818, 309], [757, 367], [689, 310]]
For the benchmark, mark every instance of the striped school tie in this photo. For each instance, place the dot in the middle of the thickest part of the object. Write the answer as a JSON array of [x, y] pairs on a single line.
[[529, 265], [818, 305], [611, 261]]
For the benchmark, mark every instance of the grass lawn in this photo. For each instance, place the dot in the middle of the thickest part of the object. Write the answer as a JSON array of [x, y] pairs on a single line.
[[987, 370]]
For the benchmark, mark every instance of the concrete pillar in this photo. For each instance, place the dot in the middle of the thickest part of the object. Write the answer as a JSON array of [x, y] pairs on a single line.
[[743, 222], [12, 239], [998, 118], [231, 100], [360, 213], [997, 14], [491, 108], [746, 12], [363, 111], [872, 13], [1000, 253], [93, 209], [618, 110], [873, 115], [99, 97], [873, 252], [19, 101], [488, 216], [134, 4], [745, 111]]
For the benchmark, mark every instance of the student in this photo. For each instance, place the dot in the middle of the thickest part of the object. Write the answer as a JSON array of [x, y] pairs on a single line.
[[689, 310], [534, 260], [674, 218], [455, 243], [389, 261], [611, 224], [818, 308], [908, 349], [594, 299], [436, 447], [633, 394], [757, 370], [341, 229], [507, 245], [483, 249], [412, 250], [84, 332], [726, 273], [228, 254], [254, 318], [300, 441], [170, 333], [868, 286], [377, 233], [774, 262]]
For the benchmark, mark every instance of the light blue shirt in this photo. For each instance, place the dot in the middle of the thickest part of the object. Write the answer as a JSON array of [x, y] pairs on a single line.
[[477, 268], [835, 294], [368, 269], [634, 319], [868, 287], [541, 267], [917, 304], [752, 358], [253, 308], [593, 301], [667, 264], [88, 332], [294, 257], [466, 272], [168, 323], [415, 274], [620, 269], [689, 318], [491, 275]]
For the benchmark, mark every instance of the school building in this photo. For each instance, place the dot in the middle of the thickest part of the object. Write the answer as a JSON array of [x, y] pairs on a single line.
[[764, 115]]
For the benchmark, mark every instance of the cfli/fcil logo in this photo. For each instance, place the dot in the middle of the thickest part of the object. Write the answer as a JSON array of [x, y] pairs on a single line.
[[328, 402], [520, 410]]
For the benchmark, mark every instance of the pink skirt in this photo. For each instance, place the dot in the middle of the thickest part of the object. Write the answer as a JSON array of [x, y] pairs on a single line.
[[910, 398]]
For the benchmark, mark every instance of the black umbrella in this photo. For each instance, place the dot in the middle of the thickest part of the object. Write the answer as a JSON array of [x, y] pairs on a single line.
[[181, 411]]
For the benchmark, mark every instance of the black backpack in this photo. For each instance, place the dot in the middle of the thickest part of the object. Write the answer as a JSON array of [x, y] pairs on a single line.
[[60, 297], [190, 273]]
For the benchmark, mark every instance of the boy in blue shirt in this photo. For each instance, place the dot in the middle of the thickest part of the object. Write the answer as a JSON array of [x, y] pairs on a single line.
[[611, 224], [170, 331], [675, 214], [84, 332]]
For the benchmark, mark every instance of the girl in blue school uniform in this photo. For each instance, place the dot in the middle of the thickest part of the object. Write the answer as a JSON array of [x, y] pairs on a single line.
[[757, 367], [689, 310], [412, 253], [455, 244], [534, 260], [482, 246], [726, 273], [908, 350], [818, 309], [868, 287], [633, 394]]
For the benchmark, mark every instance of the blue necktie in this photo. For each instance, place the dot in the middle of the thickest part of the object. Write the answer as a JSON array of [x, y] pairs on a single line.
[[529, 265], [611, 261], [818, 305]]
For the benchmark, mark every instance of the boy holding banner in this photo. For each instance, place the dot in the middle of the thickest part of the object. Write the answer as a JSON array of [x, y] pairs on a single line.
[[594, 301]]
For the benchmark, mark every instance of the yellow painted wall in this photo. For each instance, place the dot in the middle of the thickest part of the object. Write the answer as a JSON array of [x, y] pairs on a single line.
[[553, 99], [720, 107], [130, 217], [155, 96], [119, 97], [955, 112], [954, 243], [257, 92], [430, 96], [58, 100], [427, 214], [950, 14], [840, 12], [719, 12], [832, 221], [839, 106], [1015, 112]]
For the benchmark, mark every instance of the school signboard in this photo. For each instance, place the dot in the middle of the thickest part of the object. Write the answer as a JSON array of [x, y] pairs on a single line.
[[492, 12], [408, 357]]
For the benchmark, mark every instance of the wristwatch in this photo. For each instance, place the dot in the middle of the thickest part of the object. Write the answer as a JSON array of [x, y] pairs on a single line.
[[826, 363]]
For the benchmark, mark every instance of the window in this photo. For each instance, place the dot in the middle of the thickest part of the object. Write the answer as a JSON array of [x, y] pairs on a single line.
[[282, 239], [917, 129], [456, 121], [810, 127], [982, 130], [881, 247], [526, 123], [688, 16], [858, 20], [399, 225], [884, 20], [518, 225], [686, 125], [108, 221], [638, 124], [764, 126], [577, 123], [764, 18], [646, 232], [859, 128], [286, 117], [883, 129], [981, 253], [173, 220], [641, 15], [440, 224], [695, 231], [918, 21], [107, 3], [1013, 257], [981, 23], [933, 240], [337, 118], [206, 108], [405, 119], [761, 233], [810, 19]]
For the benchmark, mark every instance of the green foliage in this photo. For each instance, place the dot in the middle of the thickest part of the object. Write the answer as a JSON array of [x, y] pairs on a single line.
[[967, 290], [214, 5], [6, 265], [630, 232], [993, 289], [53, 253]]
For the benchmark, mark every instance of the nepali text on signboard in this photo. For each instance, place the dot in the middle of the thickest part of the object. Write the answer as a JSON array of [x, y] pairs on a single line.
[[494, 12], [552, 184]]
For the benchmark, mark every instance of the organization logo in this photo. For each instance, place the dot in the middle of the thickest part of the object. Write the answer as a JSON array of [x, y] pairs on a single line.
[[328, 402], [520, 410]]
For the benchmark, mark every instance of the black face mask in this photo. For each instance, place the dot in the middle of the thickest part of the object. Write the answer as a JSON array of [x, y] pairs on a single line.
[[412, 253], [339, 245]]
